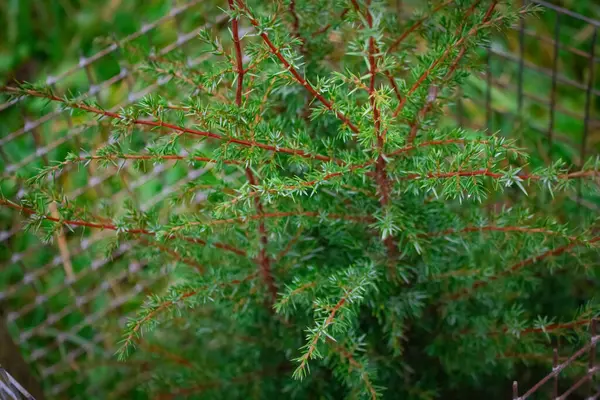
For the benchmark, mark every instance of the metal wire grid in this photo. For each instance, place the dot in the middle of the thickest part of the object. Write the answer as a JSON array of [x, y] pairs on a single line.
[[508, 69], [33, 283], [39, 285], [593, 390], [9, 387]]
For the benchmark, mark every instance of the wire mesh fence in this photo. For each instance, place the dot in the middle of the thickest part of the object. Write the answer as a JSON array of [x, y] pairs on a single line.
[[66, 303], [65, 313], [538, 85], [593, 390]]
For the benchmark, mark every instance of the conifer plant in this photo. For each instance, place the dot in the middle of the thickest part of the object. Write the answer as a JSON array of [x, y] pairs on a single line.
[[342, 241]]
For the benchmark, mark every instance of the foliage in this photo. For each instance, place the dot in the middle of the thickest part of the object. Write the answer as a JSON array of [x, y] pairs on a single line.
[[345, 242]]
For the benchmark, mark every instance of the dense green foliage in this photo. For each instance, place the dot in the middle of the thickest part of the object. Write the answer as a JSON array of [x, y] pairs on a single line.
[[342, 241]]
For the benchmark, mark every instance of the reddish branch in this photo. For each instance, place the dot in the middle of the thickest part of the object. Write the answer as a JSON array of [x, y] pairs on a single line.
[[416, 25], [309, 183], [144, 157], [294, 292], [415, 125], [275, 50], [373, 48], [245, 378], [296, 20], [159, 350], [112, 227], [496, 175], [161, 124], [238, 57], [382, 180], [522, 264], [165, 305], [493, 228], [382, 176], [443, 57], [395, 153], [289, 245], [218, 245], [383, 183], [347, 355], [264, 261], [444, 175], [326, 27], [444, 142], [547, 328], [283, 214], [313, 344], [175, 255], [422, 114], [462, 52], [263, 258]]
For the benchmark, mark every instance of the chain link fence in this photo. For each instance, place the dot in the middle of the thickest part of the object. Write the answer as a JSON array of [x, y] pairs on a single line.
[[65, 303]]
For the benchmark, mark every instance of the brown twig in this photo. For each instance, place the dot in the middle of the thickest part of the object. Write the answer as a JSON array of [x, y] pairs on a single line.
[[327, 103], [382, 180], [202, 387], [300, 289], [112, 227], [414, 26], [280, 214], [159, 350], [431, 175], [195, 132], [521, 264], [165, 305], [264, 260], [547, 328], [494, 228], [200, 268], [313, 344], [415, 125], [496, 175], [295, 19], [444, 55], [347, 355], [326, 27], [289, 246]]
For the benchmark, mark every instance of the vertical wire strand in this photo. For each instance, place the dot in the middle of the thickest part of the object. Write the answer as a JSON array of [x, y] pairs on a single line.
[[488, 92], [588, 106], [521, 64], [588, 95], [554, 85]]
